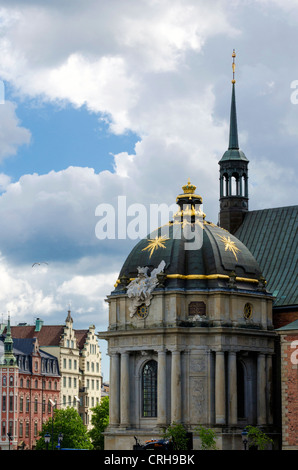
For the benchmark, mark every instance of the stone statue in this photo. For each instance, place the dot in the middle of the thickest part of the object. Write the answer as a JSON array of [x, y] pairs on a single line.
[[140, 289]]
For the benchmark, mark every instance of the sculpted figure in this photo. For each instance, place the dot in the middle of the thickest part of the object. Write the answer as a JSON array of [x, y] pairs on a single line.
[[140, 289]]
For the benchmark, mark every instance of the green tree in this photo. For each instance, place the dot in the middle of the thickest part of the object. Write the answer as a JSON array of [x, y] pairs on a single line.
[[207, 437], [99, 421], [177, 434], [258, 438], [69, 423]]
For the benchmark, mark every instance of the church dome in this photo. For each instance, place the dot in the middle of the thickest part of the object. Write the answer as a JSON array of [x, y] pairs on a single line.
[[197, 254]]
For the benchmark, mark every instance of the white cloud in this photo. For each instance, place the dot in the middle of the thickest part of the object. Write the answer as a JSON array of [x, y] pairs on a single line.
[[269, 181], [19, 295], [4, 181], [102, 56], [12, 135], [161, 69]]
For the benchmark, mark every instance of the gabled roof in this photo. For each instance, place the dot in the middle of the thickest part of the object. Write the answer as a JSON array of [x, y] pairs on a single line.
[[81, 336], [291, 326], [271, 236], [49, 335], [26, 347]]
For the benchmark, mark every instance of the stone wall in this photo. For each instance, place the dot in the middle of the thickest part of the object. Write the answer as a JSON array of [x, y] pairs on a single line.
[[289, 390]]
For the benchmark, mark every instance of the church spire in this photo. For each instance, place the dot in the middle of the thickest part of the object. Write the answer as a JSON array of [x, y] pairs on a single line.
[[233, 141], [233, 174], [233, 152]]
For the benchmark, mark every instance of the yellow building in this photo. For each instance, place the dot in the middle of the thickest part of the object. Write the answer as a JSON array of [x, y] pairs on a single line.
[[79, 359]]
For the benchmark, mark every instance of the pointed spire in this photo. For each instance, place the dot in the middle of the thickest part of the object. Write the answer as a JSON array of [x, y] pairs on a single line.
[[233, 141], [233, 152], [69, 317], [9, 358]]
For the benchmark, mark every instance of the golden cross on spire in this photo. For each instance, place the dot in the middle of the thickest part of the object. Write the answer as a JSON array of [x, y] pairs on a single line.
[[233, 66]]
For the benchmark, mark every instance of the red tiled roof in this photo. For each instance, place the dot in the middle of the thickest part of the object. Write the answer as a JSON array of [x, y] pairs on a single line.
[[81, 336], [49, 335]]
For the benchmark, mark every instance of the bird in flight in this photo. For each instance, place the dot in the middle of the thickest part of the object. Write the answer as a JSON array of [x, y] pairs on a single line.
[[43, 262]]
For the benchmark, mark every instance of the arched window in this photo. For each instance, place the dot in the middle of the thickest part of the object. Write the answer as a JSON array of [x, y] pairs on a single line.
[[149, 389]]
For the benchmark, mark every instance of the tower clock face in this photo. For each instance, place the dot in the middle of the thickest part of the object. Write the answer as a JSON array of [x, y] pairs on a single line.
[[247, 313], [142, 311]]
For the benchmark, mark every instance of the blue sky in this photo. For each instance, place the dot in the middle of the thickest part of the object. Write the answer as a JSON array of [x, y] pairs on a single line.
[[62, 136], [110, 98]]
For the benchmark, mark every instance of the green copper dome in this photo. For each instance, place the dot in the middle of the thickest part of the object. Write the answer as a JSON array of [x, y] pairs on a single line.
[[197, 254]]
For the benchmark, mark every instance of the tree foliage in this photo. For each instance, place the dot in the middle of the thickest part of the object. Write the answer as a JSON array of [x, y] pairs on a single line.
[[256, 437], [99, 420], [69, 423], [207, 437], [177, 434]]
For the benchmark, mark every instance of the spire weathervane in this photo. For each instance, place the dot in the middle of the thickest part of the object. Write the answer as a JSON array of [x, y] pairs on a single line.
[[233, 66]]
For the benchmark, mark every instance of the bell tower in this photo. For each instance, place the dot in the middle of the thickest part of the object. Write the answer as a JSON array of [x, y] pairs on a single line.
[[233, 174]]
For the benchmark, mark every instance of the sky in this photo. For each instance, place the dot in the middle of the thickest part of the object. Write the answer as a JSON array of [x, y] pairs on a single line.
[[101, 99]]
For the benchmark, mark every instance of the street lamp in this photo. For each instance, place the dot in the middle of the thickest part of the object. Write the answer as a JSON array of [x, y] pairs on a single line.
[[53, 405], [244, 435], [9, 439], [47, 438], [60, 439]]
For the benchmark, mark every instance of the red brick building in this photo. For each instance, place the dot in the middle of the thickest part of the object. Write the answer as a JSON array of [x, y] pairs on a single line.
[[30, 384], [289, 385]]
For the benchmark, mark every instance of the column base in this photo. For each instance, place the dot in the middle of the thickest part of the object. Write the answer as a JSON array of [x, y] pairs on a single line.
[[125, 426]]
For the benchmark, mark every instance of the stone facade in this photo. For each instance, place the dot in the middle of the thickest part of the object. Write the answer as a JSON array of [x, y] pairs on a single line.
[[197, 363], [90, 379]]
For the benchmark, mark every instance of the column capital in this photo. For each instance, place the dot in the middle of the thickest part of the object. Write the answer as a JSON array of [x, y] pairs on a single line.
[[176, 350]]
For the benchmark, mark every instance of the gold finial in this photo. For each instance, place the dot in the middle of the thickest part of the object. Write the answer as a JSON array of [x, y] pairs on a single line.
[[189, 188], [233, 66]]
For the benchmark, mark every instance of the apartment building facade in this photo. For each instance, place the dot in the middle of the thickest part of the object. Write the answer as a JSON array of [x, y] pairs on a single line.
[[29, 385], [79, 360]]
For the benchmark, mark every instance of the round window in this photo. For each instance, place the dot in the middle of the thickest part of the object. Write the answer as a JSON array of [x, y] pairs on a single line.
[[142, 311], [247, 311]]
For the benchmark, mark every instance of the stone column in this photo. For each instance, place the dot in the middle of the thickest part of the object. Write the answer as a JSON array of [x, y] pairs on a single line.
[[261, 390], [161, 389], [176, 387], [124, 390], [246, 186], [221, 186], [269, 381], [230, 185], [220, 388], [114, 390], [232, 398]]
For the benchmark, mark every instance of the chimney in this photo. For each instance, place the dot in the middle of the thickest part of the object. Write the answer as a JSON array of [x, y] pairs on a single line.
[[38, 324]]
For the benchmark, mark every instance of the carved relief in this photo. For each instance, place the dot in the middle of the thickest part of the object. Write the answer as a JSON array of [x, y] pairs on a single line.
[[197, 398], [197, 364]]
